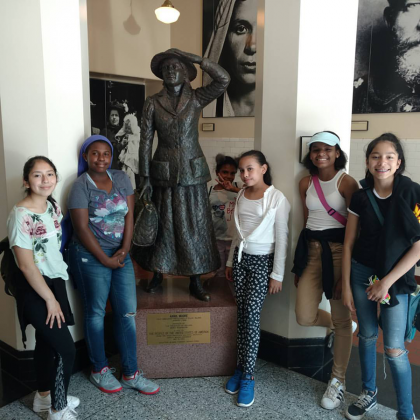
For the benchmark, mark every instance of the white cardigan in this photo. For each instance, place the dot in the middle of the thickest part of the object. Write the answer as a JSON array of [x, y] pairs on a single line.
[[272, 229]]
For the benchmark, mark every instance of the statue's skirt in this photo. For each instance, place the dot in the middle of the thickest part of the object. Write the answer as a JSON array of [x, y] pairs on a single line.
[[185, 243]]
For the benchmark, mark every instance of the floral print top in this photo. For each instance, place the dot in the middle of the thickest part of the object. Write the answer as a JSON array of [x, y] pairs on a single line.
[[40, 233], [107, 211]]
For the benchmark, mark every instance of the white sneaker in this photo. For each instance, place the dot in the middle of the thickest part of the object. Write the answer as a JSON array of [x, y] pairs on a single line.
[[353, 326], [44, 403], [65, 414], [334, 395]]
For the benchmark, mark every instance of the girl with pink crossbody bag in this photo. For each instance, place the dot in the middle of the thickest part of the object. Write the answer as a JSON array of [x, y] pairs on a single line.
[[325, 195]]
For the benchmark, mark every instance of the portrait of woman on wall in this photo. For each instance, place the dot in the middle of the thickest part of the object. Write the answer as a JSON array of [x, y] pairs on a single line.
[[115, 112], [229, 38], [114, 109]]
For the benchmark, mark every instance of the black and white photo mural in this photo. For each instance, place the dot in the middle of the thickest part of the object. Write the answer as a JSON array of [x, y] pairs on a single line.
[[229, 38], [115, 109], [387, 68]]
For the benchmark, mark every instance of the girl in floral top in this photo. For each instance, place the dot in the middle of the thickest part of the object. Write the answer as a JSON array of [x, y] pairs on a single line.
[[35, 238], [101, 204]]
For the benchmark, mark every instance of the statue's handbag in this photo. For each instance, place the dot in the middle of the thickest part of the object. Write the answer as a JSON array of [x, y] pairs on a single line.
[[146, 219]]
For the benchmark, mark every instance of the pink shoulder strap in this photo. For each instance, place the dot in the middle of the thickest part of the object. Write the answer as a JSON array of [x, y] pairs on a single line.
[[337, 216]]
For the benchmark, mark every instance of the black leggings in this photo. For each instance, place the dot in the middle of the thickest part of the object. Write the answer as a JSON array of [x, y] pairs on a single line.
[[54, 353]]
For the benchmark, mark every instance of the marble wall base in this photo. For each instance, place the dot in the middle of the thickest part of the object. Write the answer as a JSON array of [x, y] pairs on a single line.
[[216, 358]]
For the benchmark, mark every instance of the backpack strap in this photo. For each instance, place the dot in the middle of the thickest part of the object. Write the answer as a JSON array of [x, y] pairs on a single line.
[[333, 213], [8, 268], [372, 200], [210, 190]]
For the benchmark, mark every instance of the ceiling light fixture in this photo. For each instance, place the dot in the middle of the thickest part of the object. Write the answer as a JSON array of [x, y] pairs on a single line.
[[167, 12]]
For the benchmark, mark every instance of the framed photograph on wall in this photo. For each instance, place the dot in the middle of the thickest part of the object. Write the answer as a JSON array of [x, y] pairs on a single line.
[[229, 38], [359, 125], [387, 65], [115, 109], [304, 148]]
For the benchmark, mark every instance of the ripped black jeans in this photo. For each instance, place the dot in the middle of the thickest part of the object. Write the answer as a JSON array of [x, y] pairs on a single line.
[[394, 321], [54, 353], [96, 283]]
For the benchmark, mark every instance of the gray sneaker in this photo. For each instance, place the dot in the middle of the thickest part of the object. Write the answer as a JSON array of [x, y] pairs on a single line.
[[141, 384], [105, 380]]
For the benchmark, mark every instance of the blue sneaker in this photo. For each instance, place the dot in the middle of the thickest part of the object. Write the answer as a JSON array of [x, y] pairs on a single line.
[[232, 385], [246, 391]]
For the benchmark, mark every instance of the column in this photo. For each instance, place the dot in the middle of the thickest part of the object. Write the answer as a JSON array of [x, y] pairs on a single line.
[[305, 71], [45, 110]]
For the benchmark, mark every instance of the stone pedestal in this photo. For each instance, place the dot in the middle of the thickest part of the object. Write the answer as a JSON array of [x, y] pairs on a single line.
[[216, 358]]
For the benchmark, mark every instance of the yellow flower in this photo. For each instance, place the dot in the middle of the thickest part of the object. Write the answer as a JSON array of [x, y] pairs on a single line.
[[417, 212]]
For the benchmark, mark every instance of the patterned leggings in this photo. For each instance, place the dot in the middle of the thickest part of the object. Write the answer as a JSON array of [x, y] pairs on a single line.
[[250, 277]]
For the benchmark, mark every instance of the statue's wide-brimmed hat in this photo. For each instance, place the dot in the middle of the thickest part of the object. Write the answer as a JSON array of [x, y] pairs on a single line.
[[157, 60]]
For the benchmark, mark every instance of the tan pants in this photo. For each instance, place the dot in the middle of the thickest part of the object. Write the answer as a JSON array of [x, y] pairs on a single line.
[[309, 296]]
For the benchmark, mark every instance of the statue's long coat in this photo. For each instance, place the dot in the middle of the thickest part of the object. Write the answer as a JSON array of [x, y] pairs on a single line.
[[178, 172]]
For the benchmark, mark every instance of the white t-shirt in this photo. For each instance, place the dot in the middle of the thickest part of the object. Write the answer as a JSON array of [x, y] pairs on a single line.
[[250, 217], [267, 221], [222, 205], [40, 233]]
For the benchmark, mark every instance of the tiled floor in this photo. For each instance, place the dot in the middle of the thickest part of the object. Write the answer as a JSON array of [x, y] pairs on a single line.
[[280, 394]]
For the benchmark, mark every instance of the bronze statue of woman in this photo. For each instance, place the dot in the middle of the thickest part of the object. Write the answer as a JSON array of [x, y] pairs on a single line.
[[178, 172]]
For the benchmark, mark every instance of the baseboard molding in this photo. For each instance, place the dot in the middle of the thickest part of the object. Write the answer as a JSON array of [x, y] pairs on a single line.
[[19, 364], [309, 356]]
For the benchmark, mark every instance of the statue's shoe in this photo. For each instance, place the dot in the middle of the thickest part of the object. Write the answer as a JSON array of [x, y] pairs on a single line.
[[196, 289], [154, 283]]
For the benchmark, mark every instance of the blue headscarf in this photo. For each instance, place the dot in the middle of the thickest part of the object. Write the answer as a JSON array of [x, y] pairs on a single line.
[[83, 166]]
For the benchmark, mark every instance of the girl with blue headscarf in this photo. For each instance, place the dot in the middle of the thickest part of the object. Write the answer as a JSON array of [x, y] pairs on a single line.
[[101, 205]]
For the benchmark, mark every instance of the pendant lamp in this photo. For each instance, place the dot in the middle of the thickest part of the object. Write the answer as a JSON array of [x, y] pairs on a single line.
[[167, 12]]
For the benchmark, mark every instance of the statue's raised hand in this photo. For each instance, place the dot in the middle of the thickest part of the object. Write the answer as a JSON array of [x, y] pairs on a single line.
[[194, 58]]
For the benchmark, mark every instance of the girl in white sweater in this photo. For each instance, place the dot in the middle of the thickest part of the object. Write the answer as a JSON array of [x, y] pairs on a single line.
[[258, 256]]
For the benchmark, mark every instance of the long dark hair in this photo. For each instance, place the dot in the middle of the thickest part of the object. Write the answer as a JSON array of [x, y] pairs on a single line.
[[396, 142], [340, 162], [222, 160], [27, 168], [262, 161]]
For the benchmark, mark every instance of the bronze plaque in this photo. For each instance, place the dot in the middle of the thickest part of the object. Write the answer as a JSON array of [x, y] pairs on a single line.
[[178, 328]]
